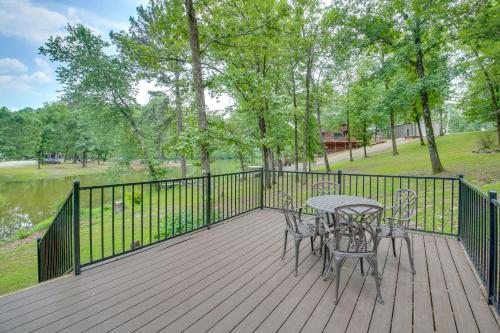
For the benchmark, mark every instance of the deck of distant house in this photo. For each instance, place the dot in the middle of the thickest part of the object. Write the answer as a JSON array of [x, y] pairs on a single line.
[[231, 278]]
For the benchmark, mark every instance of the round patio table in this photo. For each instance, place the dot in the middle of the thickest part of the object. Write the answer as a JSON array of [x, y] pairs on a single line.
[[328, 203]]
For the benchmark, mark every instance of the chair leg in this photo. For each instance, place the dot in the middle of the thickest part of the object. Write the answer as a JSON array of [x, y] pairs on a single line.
[[321, 245], [374, 263], [312, 244], [329, 265], [297, 246], [337, 282], [393, 241], [408, 244], [284, 245], [361, 266]]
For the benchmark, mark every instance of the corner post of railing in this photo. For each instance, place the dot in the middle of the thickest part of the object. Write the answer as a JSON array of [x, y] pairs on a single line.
[[76, 227], [261, 188], [339, 180], [209, 200], [460, 206], [493, 262], [38, 259]]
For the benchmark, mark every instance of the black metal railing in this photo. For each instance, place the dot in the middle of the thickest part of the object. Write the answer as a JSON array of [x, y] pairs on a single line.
[[119, 218], [55, 247], [437, 206], [494, 288], [479, 217]]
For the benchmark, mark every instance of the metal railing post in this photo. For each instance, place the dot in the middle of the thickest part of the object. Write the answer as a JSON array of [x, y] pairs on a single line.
[[262, 188], [492, 264], [38, 259], [460, 206], [209, 201], [76, 227], [339, 180]]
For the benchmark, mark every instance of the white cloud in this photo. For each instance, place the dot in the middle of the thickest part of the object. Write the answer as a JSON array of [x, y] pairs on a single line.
[[21, 18], [12, 65], [14, 75]]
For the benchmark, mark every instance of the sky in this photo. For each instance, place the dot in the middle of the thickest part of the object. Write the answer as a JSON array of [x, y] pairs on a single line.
[[27, 79]]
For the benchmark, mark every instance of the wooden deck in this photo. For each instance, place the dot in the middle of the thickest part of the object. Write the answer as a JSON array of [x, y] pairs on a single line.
[[231, 278]]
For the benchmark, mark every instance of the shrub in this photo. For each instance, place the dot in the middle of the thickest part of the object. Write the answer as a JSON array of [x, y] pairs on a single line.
[[486, 141]]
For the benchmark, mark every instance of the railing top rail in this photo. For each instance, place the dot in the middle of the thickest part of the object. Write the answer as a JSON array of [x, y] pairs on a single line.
[[496, 202], [473, 187], [302, 172], [368, 174], [68, 197], [159, 181], [401, 176], [236, 173], [169, 180]]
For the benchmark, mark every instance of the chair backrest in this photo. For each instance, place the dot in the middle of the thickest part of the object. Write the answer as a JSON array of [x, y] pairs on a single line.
[[356, 228], [405, 203], [292, 217], [325, 188]]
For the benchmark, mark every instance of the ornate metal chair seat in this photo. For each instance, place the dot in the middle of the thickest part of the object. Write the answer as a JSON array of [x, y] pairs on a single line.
[[299, 227], [396, 231], [397, 224], [355, 235]]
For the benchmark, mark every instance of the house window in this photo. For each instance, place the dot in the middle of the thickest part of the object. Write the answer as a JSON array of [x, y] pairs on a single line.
[[337, 135]]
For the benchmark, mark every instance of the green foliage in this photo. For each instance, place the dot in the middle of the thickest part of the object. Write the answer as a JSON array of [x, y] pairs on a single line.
[[486, 141]]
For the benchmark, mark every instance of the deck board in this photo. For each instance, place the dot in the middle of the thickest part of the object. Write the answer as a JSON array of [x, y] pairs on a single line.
[[232, 278]]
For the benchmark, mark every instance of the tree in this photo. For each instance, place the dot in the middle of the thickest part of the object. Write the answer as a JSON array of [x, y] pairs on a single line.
[[478, 35], [158, 42], [90, 76], [198, 84]]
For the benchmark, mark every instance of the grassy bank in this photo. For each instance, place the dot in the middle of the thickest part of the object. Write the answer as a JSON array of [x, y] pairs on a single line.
[[456, 154]]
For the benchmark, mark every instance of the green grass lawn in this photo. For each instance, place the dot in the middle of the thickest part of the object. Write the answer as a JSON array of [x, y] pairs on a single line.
[[456, 155], [49, 171]]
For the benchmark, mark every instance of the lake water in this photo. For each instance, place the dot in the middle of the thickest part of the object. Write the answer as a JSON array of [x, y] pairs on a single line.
[[26, 203]]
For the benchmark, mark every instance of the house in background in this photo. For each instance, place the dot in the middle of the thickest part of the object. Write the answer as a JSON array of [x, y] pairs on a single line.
[[337, 141], [410, 130]]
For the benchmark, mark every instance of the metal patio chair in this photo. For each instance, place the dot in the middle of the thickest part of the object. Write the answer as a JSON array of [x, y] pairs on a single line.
[[403, 211], [323, 188], [297, 226], [354, 235]]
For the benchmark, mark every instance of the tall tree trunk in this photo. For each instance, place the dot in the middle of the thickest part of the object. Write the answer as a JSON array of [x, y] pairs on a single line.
[[437, 166], [198, 84], [321, 139], [265, 152], [39, 159], [365, 139], [441, 123], [178, 109], [145, 151], [280, 160], [391, 118], [295, 128], [84, 159], [419, 126], [393, 131], [296, 142], [348, 124], [491, 90], [242, 160], [309, 64]]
